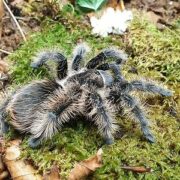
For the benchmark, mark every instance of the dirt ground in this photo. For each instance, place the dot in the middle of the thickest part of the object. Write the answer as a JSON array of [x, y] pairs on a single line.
[[10, 35], [162, 12]]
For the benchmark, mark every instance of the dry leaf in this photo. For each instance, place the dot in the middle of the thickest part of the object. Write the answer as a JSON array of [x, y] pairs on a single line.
[[2, 145], [19, 169], [53, 174], [137, 169], [4, 175], [84, 168], [152, 17], [3, 172], [3, 67], [116, 4]]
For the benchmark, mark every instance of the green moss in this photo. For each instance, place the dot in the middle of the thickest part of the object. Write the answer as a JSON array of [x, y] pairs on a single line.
[[156, 55]]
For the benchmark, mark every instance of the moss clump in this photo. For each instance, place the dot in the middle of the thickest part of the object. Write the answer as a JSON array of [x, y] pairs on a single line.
[[155, 55]]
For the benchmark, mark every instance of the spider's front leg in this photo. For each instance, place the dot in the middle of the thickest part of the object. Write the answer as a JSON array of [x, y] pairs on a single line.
[[101, 116], [150, 87], [102, 57], [44, 56], [139, 115], [116, 70]]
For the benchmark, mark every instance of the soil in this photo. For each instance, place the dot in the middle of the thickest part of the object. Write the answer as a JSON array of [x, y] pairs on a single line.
[[10, 35], [168, 9], [161, 12], [165, 10]]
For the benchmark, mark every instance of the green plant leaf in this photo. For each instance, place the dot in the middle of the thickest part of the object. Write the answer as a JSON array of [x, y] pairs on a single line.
[[91, 4]]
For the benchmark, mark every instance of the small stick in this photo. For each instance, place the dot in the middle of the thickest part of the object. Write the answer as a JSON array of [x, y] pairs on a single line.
[[17, 17], [16, 22], [4, 51]]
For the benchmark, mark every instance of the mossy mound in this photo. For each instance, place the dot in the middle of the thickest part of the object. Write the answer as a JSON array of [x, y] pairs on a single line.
[[155, 55]]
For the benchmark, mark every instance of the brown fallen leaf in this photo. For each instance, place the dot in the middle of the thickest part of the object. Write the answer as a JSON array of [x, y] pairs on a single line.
[[84, 168], [137, 169], [152, 17], [2, 145], [18, 168], [4, 175], [116, 4], [3, 67], [53, 174], [157, 20], [3, 171]]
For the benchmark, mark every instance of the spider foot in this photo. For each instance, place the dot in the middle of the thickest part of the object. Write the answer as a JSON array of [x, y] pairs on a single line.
[[147, 134], [34, 142], [6, 127], [109, 141], [167, 93], [150, 138]]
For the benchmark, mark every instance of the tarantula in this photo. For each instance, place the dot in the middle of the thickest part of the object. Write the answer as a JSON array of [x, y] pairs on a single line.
[[42, 107]]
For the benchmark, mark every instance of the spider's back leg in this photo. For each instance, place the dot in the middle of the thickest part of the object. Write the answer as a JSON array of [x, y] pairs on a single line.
[[26, 101], [57, 109]]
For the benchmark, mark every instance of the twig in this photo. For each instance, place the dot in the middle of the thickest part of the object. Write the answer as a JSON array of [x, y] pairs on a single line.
[[18, 18], [16, 22], [4, 51]]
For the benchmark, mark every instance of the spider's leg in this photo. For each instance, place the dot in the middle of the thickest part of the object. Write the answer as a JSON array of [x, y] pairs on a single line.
[[150, 87], [57, 110], [78, 55], [34, 142], [45, 126], [115, 69], [139, 115], [101, 116], [57, 57], [119, 57]]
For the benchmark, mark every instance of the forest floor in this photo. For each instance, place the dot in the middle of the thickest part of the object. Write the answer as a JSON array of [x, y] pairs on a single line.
[[153, 54]]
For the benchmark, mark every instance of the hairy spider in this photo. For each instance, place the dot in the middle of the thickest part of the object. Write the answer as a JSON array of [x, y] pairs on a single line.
[[42, 107]]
